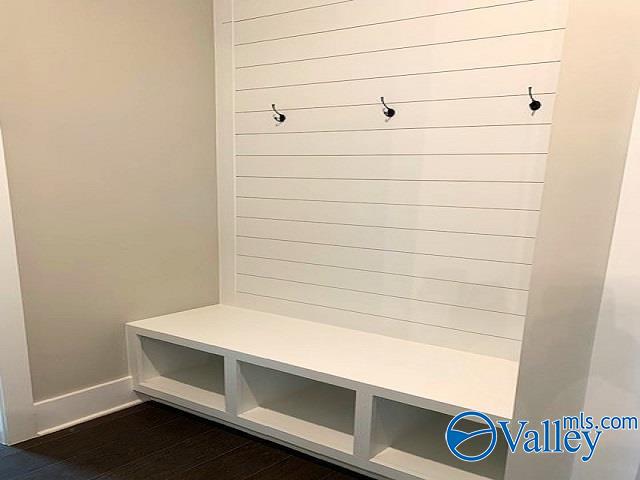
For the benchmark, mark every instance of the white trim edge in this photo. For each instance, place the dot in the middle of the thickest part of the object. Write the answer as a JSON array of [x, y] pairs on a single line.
[[17, 419], [83, 405]]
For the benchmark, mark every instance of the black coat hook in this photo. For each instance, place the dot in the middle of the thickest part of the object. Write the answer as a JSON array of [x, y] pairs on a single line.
[[388, 111], [535, 105], [278, 117]]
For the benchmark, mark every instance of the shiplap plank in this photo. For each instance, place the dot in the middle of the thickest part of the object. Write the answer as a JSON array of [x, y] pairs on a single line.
[[505, 249], [524, 168], [253, 9], [505, 275], [340, 16], [534, 47], [415, 332], [478, 321], [486, 111], [465, 84], [457, 194], [474, 296], [483, 140], [472, 24], [497, 222]]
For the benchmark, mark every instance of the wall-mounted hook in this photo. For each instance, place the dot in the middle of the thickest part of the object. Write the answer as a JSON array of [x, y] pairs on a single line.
[[278, 117], [535, 105], [388, 111]]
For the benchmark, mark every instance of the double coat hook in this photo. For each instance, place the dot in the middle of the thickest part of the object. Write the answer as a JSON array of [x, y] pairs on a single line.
[[278, 117], [387, 111], [535, 105]]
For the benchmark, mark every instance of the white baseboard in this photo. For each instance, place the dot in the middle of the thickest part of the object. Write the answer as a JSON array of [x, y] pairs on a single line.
[[83, 405]]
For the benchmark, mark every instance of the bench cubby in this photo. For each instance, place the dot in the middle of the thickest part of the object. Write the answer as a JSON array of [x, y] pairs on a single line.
[[411, 440], [317, 411], [178, 373]]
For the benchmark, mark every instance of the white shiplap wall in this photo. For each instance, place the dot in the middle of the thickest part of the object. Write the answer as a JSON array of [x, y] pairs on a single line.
[[420, 227]]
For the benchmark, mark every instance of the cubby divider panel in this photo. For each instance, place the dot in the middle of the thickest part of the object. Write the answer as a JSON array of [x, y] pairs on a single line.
[[316, 411], [412, 440], [183, 372]]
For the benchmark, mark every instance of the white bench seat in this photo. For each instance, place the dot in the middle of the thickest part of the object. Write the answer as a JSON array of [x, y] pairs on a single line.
[[434, 377]]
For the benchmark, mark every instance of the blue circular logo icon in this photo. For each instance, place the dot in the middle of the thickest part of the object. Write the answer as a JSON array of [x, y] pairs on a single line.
[[456, 437]]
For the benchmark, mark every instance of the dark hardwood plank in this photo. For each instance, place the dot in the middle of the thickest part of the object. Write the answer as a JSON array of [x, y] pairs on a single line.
[[87, 425], [294, 468], [238, 464], [170, 462], [345, 475], [156, 442], [22, 461], [5, 450], [123, 449]]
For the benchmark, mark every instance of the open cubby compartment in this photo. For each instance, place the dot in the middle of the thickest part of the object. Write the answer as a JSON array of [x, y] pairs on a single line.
[[412, 440], [182, 373], [316, 411]]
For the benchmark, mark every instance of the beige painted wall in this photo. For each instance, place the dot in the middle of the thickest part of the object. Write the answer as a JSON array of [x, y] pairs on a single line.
[[107, 112]]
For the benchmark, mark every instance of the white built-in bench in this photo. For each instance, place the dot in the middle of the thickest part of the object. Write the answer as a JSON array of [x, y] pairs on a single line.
[[374, 403]]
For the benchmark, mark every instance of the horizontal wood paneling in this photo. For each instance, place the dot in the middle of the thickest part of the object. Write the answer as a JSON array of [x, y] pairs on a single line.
[[478, 272], [245, 10], [477, 321], [464, 26], [427, 290], [483, 111], [489, 140], [422, 226], [465, 84], [490, 222], [519, 168], [483, 247], [529, 48], [347, 15], [440, 193], [417, 332]]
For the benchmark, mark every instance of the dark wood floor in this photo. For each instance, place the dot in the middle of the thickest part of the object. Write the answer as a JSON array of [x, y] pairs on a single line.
[[153, 441]]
